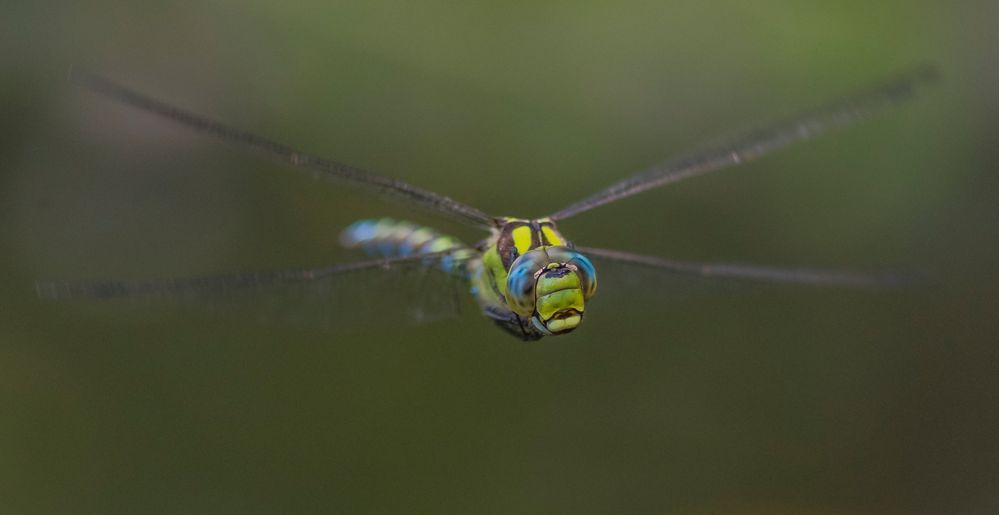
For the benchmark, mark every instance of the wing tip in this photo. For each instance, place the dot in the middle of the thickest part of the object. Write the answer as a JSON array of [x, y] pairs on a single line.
[[47, 290], [925, 72], [57, 290], [80, 76], [906, 83]]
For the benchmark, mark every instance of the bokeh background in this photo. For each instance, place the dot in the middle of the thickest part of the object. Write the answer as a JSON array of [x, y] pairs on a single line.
[[674, 397]]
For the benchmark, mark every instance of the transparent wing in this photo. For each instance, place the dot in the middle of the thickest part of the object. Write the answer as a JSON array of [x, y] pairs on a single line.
[[806, 276], [839, 113], [321, 167], [410, 289]]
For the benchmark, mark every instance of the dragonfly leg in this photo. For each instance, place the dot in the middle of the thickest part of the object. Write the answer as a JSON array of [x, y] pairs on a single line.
[[512, 323]]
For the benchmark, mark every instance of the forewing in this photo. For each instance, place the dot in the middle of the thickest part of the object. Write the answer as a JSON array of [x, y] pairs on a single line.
[[319, 166], [842, 112]]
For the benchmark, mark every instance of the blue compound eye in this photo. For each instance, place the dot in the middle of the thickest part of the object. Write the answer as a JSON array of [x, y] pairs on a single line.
[[585, 270], [521, 281]]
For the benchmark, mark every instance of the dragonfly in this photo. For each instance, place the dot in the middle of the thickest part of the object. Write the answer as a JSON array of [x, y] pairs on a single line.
[[525, 275]]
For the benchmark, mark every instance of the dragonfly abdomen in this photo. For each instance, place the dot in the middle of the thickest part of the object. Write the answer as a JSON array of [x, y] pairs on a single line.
[[386, 237]]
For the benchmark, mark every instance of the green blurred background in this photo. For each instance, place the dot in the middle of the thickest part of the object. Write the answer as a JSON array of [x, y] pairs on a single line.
[[670, 399]]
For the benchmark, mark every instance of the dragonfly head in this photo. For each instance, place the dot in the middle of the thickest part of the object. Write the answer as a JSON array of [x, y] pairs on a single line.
[[550, 285]]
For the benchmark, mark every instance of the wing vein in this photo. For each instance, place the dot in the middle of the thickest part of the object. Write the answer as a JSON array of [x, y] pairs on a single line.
[[331, 169], [754, 144], [216, 284], [808, 276]]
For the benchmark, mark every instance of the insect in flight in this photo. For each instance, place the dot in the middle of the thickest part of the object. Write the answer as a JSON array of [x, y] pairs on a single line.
[[526, 276]]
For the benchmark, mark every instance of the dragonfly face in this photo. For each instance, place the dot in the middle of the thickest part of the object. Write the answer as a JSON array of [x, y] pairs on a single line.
[[550, 286]]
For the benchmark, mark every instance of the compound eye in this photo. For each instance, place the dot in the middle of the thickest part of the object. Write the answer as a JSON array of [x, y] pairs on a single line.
[[521, 281], [585, 270]]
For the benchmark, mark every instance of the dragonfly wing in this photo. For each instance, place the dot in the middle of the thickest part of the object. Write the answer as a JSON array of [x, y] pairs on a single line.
[[767, 274], [410, 289], [321, 167], [839, 113]]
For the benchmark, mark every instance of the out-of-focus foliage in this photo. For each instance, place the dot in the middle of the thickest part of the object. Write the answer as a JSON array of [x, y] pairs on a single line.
[[671, 398]]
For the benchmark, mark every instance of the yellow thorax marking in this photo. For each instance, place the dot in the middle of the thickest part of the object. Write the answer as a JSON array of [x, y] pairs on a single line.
[[551, 236], [522, 238]]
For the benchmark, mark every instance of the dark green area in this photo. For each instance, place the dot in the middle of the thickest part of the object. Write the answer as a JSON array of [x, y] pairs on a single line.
[[673, 397]]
